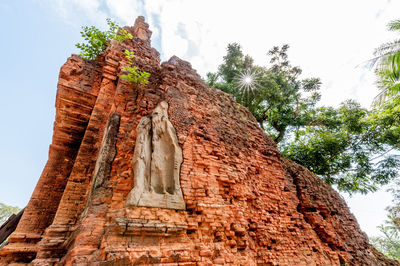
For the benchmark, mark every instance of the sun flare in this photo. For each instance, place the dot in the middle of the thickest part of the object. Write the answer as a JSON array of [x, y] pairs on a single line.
[[246, 81]]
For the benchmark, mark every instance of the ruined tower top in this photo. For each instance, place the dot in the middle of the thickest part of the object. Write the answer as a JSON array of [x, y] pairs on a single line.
[[141, 30]]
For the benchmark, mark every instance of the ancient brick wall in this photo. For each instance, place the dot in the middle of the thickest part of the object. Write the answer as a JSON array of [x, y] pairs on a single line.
[[244, 205]]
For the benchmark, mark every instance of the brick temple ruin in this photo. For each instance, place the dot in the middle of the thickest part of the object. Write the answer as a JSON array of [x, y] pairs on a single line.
[[173, 173]]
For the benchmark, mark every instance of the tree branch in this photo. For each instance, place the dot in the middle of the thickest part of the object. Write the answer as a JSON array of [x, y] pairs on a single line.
[[349, 142]]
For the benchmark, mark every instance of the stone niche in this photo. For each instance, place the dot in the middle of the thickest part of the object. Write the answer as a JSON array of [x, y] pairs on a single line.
[[156, 163]]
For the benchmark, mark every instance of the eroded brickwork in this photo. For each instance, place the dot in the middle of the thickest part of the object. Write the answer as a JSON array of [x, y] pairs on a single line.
[[244, 205]]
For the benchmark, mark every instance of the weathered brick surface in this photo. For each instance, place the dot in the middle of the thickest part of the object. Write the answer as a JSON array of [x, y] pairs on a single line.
[[244, 205]]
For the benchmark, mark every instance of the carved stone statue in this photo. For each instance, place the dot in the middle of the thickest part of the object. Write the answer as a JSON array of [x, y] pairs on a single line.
[[156, 163]]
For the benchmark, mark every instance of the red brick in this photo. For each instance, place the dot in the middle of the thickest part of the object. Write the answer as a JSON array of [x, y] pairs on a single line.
[[245, 204]]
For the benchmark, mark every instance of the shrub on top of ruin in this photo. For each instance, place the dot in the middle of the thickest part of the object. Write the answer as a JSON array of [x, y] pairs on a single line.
[[97, 40], [132, 74]]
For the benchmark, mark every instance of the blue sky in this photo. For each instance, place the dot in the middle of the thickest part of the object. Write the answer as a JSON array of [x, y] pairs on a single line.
[[328, 39], [34, 45]]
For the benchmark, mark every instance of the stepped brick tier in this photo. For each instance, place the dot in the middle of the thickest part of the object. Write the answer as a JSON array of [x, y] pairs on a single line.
[[174, 173]]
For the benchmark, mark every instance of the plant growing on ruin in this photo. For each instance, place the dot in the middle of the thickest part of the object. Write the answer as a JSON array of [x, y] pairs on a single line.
[[97, 40], [132, 74]]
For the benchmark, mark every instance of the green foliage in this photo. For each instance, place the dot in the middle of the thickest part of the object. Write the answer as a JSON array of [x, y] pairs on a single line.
[[6, 211], [278, 98], [97, 40], [133, 75], [387, 59], [394, 210], [122, 35], [389, 242], [347, 146]]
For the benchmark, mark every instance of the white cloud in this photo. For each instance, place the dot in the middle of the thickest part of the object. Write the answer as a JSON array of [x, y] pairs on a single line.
[[370, 209], [125, 10], [79, 12], [327, 39]]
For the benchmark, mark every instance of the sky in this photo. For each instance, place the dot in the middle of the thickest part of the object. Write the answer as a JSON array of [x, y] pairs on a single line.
[[331, 40]]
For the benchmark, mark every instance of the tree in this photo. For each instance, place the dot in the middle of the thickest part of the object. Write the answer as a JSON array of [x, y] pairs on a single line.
[[275, 96], [387, 60], [6, 211], [389, 242], [346, 146]]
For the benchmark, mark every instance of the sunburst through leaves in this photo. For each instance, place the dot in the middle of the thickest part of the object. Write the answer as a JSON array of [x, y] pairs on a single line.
[[247, 81]]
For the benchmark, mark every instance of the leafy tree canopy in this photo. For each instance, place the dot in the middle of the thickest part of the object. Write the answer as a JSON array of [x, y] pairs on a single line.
[[6, 211], [346, 146], [389, 242], [387, 112]]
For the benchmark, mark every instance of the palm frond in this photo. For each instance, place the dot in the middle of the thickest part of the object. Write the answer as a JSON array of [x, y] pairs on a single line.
[[388, 73], [394, 25], [379, 99], [387, 48]]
